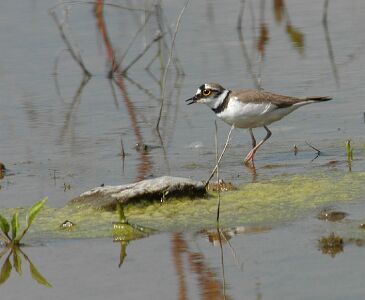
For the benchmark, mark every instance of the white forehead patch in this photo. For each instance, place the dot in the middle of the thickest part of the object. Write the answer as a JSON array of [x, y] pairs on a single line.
[[198, 91]]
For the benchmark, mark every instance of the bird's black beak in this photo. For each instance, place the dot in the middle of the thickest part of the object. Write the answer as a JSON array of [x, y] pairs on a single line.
[[192, 100]]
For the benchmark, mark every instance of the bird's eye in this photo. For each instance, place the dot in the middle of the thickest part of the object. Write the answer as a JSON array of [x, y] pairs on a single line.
[[206, 92]]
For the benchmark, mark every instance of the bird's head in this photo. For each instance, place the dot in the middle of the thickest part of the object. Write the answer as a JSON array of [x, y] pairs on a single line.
[[209, 94]]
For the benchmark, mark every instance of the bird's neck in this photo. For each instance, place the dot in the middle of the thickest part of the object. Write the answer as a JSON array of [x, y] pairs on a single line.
[[220, 102]]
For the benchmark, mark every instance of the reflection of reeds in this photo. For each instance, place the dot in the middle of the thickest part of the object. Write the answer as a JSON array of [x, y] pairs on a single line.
[[222, 255], [55, 73], [178, 248], [148, 93], [329, 44], [118, 78], [75, 53], [134, 37], [117, 72], [295, 35], [73, 106], [210, 287], [157, 38], [256, 78], [114, 5]]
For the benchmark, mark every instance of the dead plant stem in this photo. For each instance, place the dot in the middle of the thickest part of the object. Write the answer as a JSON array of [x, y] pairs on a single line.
[[216, 159], [168, 63], [221, 156]]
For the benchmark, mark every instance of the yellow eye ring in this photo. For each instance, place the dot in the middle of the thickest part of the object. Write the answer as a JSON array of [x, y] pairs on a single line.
[[206, 93]]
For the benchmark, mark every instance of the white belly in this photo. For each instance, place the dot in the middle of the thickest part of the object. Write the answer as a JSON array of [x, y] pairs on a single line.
[[247, 115]]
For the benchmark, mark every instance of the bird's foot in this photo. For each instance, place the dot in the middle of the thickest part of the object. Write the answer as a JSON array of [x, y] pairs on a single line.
[[250, 164], [249, 157]]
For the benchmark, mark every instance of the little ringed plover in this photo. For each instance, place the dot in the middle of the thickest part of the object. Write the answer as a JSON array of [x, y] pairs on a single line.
[[249, 108]]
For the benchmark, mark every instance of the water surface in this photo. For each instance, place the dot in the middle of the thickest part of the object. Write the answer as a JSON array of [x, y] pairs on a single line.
[[61, 135]]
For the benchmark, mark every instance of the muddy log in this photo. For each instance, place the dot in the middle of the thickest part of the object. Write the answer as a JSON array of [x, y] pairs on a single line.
[[106, 197]]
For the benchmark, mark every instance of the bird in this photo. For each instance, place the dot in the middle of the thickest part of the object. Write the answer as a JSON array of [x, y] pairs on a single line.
[[249, 108]]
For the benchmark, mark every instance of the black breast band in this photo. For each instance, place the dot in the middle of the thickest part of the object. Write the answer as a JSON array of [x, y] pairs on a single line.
[[223, 105]]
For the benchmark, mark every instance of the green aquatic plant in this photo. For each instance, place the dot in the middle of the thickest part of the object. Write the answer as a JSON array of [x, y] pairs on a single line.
[[349, 150], [349, 154], [12, 244], [15, 237]]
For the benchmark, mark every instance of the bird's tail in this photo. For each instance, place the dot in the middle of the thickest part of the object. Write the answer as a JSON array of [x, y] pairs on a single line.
[[317, 98]]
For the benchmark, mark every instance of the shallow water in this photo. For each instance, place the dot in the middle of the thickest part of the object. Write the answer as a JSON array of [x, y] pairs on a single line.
[[282, 262], [61, 137]]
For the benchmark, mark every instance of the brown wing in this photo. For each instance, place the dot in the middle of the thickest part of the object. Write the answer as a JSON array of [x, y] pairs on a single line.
[[260, 96]]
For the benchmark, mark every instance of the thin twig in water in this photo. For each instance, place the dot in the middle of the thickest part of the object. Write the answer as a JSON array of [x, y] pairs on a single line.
[[158, 37], [315, 149], [216, 160], [161, 20], [76, 56], [177, 64], [122, 152], [168, 63], [169, 107], [221, 156], [167, 164], [170, 132]]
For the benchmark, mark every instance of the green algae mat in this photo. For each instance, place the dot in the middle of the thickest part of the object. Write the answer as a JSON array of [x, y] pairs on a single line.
[[281, 199]]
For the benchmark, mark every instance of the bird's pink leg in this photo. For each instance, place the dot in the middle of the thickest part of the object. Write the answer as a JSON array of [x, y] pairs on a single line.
[[251, 154], [252, 138]]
